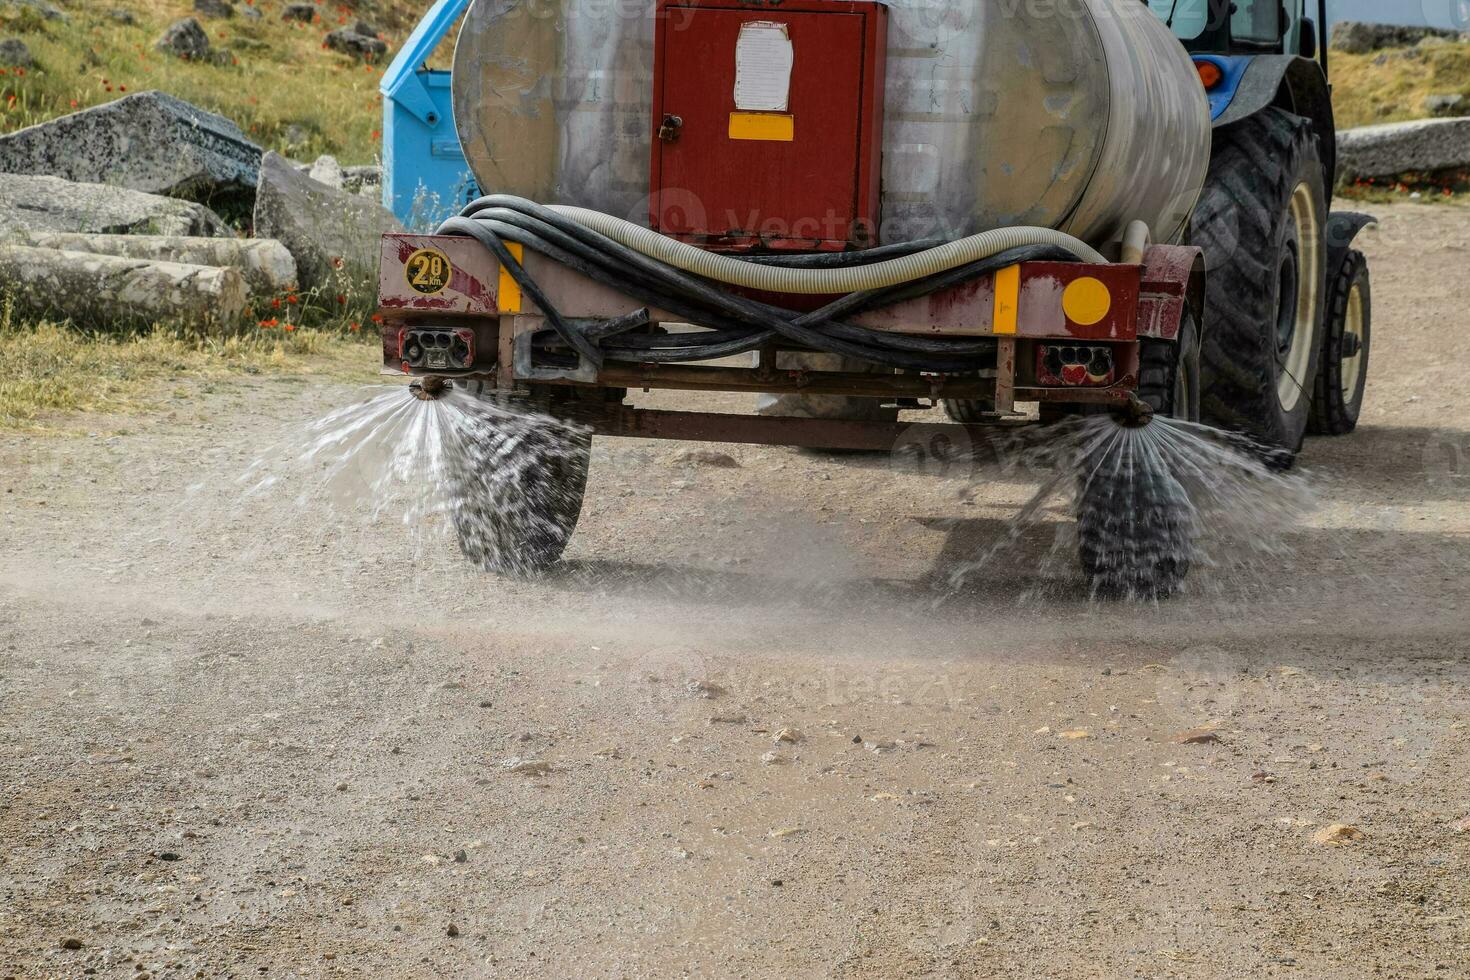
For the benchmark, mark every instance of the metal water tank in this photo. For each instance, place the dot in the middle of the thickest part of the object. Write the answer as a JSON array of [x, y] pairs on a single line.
[[1076, 114]]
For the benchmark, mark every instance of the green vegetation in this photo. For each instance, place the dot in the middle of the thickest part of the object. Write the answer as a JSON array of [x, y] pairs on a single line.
[[283, 87], [51, 369]]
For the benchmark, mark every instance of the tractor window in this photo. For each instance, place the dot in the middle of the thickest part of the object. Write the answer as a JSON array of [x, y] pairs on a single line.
[[1256, 20], [1188, 18]]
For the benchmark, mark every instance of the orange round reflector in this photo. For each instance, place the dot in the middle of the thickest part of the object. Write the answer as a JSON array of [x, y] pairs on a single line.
[[1086, 301], [1209, 74]]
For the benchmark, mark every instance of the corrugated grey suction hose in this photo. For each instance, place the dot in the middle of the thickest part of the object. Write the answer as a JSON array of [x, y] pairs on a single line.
[[775, 279]]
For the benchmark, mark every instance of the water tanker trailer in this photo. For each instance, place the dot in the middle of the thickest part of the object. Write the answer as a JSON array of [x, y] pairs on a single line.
[[854, 209]]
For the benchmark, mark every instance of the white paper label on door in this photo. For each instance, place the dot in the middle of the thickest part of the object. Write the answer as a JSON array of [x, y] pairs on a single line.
[[763, 59]]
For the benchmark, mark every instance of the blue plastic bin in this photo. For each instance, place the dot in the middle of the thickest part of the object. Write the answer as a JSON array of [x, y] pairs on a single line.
[[425, 177]]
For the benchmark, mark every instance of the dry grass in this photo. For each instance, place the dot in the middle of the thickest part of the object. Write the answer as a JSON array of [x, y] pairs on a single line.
[[283, 82], [1365, 92], [52, 370]]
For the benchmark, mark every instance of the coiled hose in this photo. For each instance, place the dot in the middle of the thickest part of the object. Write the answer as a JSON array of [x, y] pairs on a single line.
[[825, 282], [734, 324]]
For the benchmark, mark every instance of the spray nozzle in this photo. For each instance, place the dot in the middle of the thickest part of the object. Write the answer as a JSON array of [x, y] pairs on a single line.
[[1135, 413], [429, 389]]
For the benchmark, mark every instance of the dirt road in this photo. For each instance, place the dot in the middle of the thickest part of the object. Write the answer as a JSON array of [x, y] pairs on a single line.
[[750, 731]]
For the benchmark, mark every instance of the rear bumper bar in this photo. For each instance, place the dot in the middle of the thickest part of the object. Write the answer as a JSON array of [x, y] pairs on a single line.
[[1047, 321]]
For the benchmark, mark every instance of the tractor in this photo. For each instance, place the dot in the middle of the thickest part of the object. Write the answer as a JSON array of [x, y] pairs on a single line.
[[856, 210]]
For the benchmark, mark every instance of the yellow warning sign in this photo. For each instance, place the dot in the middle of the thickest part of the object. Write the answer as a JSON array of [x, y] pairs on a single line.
[[428, 271]]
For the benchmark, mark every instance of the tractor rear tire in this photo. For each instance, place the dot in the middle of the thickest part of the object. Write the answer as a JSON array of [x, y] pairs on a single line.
[[1135, 529], [1346, 344], [515, 488], [1261, 221]]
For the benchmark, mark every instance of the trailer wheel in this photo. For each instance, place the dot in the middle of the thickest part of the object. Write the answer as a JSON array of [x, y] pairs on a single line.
[[1261, 221], [515, 489], [1345, 346], [1135, 529]]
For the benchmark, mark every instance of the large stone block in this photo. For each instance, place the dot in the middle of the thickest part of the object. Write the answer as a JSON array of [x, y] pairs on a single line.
[[41, 203], [1422, 146], [332, 235], [266, 265], [105, 290], [148, 142]]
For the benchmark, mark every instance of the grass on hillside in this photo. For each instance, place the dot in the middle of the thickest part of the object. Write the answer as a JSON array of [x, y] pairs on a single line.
[[53, 369], [283, 87], [1366, 93]]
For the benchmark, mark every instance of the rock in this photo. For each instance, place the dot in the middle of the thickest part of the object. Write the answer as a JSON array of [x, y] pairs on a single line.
[[214, 8], [326, 170], [356, 45], [366, 179], [167, 856], [36, 203], [332, 235], [737, 719], [1354, 37], [1447, 105], [266, 266], [452, 930], [707, 457], [526, 767], [1075, 734], [1392, 149], [46, 10], [1338, 834], [364, 28], [788, 735], [148, 142], [304, 12], [104, 291], [1196, 736], [879, 748], [71, 942], [121, 16], [250, 12], [185, 39], [772, 759], [704, 689], [14, 53], [460, 857]]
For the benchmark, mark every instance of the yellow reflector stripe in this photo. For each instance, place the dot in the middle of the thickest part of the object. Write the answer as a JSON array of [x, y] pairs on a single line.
[[508, 292], [762, 126], [1086, 301], [1007, 300]]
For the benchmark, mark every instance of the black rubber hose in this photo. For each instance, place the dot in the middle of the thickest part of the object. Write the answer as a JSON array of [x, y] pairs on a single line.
[[764, 314], [511, 216], [751, 310], [983, 349]]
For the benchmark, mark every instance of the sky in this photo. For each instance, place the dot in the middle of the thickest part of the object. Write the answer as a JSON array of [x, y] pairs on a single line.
[[1436, 13]]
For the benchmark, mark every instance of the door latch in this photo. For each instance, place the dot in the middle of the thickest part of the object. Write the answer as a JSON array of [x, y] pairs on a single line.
[[669, 131]]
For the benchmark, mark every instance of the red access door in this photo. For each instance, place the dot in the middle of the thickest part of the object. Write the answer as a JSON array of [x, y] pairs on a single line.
[[768, 123]]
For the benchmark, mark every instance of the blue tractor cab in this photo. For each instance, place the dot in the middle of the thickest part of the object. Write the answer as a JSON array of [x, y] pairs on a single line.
[[425, 176]]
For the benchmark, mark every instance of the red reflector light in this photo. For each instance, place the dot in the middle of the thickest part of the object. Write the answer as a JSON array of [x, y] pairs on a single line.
[[1210, 74]]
